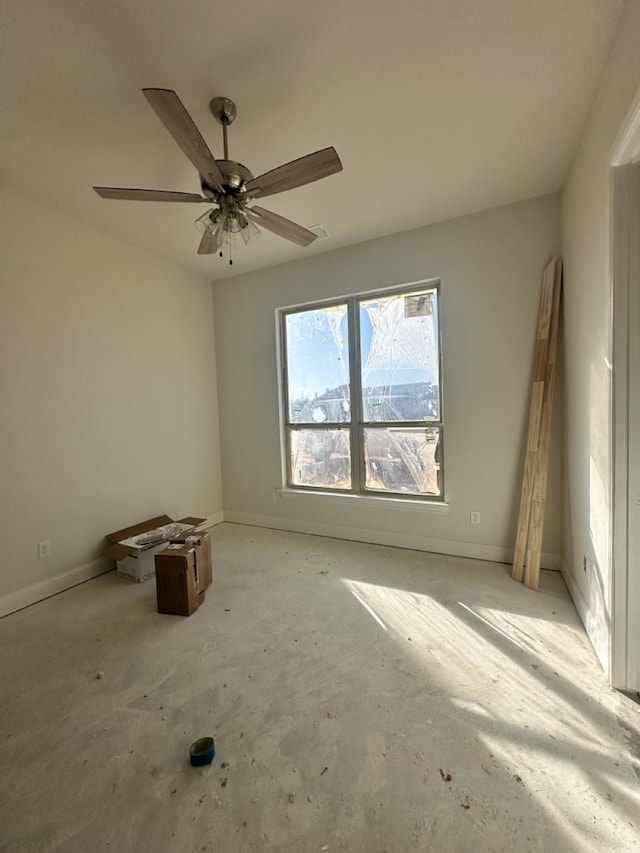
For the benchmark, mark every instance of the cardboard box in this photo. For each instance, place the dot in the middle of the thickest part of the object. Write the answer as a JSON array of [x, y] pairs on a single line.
[[177, 580], [134, 548], [183, 572], [204, 562]]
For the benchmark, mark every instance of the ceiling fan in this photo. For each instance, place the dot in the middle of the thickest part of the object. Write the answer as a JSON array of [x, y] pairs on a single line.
[[228, 185]]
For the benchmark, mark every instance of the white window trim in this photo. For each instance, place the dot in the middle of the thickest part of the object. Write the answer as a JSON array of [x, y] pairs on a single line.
[[392, 500], [389, 501]]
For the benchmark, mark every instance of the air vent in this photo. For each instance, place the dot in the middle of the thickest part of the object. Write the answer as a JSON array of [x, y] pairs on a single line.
[[320, 230]]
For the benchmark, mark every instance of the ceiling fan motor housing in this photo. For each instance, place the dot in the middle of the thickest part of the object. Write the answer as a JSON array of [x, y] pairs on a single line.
[[235, 177]]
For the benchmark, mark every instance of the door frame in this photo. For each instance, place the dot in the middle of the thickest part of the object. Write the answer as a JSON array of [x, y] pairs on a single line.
[[625, 403]]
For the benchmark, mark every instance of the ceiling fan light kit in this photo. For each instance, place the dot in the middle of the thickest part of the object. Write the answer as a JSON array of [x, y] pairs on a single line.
[[226, 184]]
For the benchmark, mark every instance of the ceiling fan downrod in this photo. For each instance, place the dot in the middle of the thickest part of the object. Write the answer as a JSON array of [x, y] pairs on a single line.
[[224, 111]]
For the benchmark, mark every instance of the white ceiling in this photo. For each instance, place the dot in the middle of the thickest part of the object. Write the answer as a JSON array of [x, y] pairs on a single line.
[[437, 108]]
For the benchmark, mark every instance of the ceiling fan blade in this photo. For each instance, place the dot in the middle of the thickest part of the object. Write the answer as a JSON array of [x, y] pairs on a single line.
[[173, 114], [146, 195], [211, 241], [281, 226], [305, 170]]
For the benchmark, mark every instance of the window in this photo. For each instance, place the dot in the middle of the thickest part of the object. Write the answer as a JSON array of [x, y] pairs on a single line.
[[362, 394]]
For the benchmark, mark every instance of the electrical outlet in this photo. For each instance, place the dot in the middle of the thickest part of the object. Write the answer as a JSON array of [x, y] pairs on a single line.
[[475, 516], [273, 496], [44, 549]]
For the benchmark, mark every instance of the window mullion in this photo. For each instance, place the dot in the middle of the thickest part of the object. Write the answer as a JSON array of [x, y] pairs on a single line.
[[357, 455]]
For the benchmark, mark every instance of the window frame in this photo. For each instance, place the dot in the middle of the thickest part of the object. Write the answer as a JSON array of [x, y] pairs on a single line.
[[356, 424]]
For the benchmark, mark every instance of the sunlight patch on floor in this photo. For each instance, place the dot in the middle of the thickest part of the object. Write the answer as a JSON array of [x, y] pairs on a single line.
[[369, 609], [527, 686]]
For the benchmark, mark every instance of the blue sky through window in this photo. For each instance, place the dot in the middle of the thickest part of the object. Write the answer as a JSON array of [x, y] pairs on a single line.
[[395, 349]]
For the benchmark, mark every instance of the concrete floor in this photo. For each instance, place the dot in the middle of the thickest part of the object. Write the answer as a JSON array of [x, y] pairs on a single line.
[[362, 699]]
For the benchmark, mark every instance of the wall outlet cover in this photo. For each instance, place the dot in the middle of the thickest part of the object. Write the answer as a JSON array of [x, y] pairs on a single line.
[[44, 549]]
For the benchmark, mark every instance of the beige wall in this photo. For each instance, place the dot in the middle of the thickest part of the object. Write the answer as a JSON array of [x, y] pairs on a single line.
[[108, 390], [586, 203], [490, 265]]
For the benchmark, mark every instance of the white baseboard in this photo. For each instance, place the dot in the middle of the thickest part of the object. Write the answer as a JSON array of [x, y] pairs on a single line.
[[452, 548], [65, 580], [44, 589], [578, 599], [212, 521], [52, 586], [590, 624]]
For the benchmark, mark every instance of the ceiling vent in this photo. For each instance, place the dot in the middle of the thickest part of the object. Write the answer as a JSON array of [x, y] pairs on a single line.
[[320, 230]]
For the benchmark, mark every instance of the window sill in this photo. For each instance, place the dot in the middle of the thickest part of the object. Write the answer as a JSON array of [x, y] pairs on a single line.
[[367, 501]]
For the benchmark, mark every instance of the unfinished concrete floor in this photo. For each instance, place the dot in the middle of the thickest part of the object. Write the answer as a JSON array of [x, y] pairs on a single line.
[[363, 699]]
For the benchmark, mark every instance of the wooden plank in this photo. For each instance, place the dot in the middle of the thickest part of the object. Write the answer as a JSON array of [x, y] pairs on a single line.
[[535, 417], [538, 503]]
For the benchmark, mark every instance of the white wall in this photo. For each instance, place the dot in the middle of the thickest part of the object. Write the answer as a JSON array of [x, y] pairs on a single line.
[[490, 265], [108, 395], [586, 202]]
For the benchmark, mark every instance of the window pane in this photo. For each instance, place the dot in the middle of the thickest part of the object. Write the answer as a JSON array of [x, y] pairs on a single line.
[[399, 357], [320, 457], [404, 461], [317, 344]]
